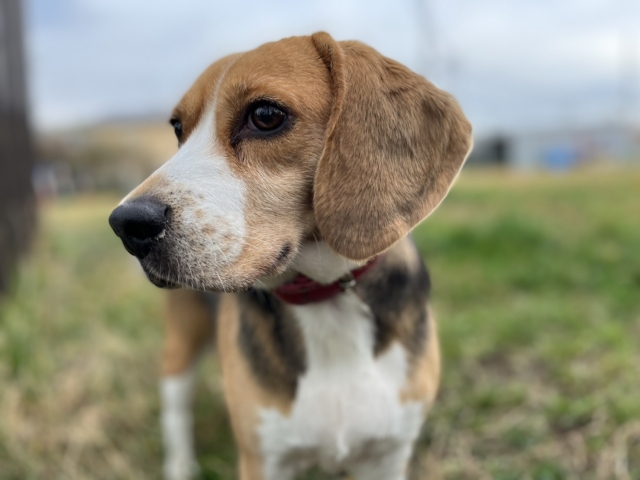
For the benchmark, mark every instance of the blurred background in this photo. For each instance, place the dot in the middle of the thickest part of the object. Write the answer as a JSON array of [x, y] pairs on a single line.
[[535, 254]]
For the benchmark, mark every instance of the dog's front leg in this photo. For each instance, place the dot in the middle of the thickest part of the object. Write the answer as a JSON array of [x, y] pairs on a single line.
[[177, 426], [189, 329], [252, 467]]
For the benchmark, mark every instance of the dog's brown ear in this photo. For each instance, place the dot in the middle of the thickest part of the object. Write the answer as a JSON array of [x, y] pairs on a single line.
[[394, 145]]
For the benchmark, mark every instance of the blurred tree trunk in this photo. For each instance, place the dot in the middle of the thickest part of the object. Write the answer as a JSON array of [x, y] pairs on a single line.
[[17, 206]]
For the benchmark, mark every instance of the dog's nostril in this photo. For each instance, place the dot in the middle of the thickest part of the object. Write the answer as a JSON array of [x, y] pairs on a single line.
[[138, 222], [144, 231]]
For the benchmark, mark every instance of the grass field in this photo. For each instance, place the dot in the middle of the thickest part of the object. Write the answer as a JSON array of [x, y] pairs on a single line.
[[537, 292]]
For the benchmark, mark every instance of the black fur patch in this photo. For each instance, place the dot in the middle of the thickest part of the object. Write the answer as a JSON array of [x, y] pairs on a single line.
[[270, 339], [397, 291], [284, 253]]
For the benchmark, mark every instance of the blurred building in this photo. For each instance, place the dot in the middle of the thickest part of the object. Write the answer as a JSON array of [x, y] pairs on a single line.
[[114, 155], [17, 206], [560, 149]]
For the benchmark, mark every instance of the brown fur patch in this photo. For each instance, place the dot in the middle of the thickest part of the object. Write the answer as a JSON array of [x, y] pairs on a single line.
[[424, 377], [193, 103], [189, 328], [251, 466]]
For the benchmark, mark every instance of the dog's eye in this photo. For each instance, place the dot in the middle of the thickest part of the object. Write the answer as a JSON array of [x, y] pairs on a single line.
[[266, 118], [177, 128], [262, 119]]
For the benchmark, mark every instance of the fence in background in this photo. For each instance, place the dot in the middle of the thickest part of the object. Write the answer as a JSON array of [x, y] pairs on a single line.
[[17, 206]]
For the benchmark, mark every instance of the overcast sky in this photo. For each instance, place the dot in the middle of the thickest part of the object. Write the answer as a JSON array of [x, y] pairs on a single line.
[[513, 64]]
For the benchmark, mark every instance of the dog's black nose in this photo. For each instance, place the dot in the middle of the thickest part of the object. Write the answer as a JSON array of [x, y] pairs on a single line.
[[138, 223]]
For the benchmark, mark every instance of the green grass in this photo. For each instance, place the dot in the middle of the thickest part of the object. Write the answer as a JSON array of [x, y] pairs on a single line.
[[537, 294]]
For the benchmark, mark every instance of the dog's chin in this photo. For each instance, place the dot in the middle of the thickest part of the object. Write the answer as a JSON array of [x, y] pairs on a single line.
[[169, 282], [161, 282]]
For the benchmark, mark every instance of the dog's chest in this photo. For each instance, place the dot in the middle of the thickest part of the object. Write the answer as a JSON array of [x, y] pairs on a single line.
[[348, 402]]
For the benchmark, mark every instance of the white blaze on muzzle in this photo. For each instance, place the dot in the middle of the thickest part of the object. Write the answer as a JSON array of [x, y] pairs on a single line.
[[206, 198]]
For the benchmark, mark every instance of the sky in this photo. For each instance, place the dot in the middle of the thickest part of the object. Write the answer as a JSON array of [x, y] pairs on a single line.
[[514, 65]]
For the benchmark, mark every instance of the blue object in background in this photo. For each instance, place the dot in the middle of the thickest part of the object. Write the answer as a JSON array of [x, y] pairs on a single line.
[[560, 157]]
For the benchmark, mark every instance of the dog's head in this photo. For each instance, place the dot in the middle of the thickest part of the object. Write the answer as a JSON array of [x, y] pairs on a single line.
[[298, 139]]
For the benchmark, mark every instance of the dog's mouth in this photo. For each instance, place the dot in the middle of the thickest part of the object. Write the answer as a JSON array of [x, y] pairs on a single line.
[[166, 272], [168, 266]]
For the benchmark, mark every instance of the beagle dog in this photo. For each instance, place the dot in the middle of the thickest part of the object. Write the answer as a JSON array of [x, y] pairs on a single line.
[[302, 167]]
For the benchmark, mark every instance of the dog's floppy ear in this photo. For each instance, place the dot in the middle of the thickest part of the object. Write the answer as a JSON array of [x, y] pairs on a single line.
[[393, 147]]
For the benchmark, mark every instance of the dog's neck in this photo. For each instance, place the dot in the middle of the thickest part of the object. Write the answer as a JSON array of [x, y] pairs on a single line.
[[314, 260]]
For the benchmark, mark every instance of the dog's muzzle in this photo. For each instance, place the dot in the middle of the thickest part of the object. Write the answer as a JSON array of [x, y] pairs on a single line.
[[139, 224]]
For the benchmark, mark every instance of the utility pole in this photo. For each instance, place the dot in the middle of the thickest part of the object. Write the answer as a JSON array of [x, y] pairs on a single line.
[[17, 205], [629, 69]]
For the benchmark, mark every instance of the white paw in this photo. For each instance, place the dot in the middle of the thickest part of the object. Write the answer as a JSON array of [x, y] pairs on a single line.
[[180, 467]]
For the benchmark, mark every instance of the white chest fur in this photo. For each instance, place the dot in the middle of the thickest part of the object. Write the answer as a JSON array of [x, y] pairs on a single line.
[[347, 407]]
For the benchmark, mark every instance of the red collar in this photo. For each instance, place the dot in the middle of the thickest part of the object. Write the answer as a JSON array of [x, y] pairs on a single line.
[[302, 290]]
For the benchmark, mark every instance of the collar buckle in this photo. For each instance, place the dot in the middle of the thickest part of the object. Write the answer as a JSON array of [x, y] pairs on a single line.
[[347, 281]]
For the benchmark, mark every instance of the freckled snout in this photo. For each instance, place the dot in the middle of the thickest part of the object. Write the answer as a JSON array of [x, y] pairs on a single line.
[[139, 223]]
